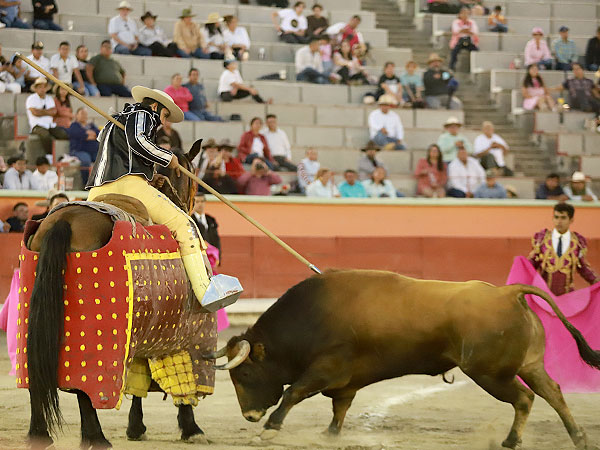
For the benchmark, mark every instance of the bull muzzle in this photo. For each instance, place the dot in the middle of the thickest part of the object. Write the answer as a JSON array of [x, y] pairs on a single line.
[[243, 350], [253, 415]]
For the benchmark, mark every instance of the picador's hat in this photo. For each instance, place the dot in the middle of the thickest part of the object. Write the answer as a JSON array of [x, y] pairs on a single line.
[[139, 93]]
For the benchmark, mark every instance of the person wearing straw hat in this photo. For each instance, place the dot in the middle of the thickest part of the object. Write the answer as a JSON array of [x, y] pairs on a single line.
[[124, 33], [125, 165], [213, 36], [439, 85], [578, 190], [189, 37], [41, 110], [153, 37], [537, 51], [369, 162], [448, 140], [385, 126]]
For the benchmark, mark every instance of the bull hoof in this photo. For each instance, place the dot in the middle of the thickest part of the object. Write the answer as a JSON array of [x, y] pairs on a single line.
[[269, 434]]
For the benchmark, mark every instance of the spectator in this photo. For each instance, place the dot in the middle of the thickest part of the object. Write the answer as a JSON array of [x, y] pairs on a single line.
[[465, 36], [583, 96], [17, 221], [10, 11], [378, 186], [207, 225], [8, 81], [537, 51], [43, 179], [82, 62], [551, 189], [491, 149], [18, 177], [308, 168], [351, 187], [348, 67], [369, 162], [209, 157], [309, 66], [232, 87], [83, 144], [491, 188], [326, 50], [465, 174], [431, 174], [54, 198], [41, 111], [450, 137], [62, 101], [565, 50], [155, 39], [233, 165], [279, 144], [385, 126], [254, 145], [64, 66], [199, 105], [124, 33], [236, 38], [389, 83], [412, 86], [592, 52], [213, 36], [323, 186], [189, 38], [291, 24], [578, 191], [439, 85], [317, 24], [37, 56], [105, 73], [43, 12], [497, 21], [350, 32], [212, 170], [535, 94], [259, 180], [181, 96], [167, 130]]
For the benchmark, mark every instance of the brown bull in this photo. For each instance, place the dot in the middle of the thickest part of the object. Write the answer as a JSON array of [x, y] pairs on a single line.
[[338, 332]]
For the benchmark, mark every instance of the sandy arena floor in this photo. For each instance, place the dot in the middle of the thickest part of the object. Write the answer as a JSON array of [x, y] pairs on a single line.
[[416, 413]]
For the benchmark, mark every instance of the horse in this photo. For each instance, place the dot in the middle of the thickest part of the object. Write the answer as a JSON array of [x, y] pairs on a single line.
[[78, 228]]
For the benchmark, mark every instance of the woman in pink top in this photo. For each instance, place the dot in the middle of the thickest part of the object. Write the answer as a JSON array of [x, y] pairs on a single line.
[[465, 35], [431, 174], [182, 97], [535, 94], [537, 51], [64, 113]]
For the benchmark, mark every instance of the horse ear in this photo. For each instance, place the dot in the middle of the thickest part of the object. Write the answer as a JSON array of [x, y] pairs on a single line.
[[196, 147]]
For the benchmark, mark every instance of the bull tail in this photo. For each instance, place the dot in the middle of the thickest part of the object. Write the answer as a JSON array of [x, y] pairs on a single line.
[[46, 315], [589, 355]]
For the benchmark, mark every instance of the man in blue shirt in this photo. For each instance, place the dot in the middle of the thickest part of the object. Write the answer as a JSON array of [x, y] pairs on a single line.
[[9, 14], [490, 189], [199, 104], [565, 50], [352, 188]]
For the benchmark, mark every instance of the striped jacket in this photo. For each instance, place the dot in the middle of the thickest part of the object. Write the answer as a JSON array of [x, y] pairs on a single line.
[[129, 152]]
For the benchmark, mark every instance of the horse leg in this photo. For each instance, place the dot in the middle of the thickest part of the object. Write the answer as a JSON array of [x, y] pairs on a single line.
[[188, 426], [92, 436], [136, 429], [38, 429]]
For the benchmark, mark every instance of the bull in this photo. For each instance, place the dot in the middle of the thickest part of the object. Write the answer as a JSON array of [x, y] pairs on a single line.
[[336, 333]]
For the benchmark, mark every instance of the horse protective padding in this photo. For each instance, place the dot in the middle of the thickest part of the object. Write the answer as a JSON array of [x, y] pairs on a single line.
[[129, 299]]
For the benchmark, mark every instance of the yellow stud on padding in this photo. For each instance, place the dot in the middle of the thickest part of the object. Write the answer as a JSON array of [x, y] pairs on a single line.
[[77, 255], [82, 334], [97, 301], [67, 378], [113, 300], [110, 253], [83, 378], [82, 317], [114, 315], [83, 363], [99, 316], [112, 284], [67, 318], [96, 285], [80, 301], [67, 363], [111, 268], [67, 348], [95, 270], [82, 347], [99, 363], [100, 378], [94, 254], [115, 363], [79, 270], [99, 347], [99, 332]]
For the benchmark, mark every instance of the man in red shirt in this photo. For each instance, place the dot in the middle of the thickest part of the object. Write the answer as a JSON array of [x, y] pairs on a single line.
[[233, 166], [350, 33]]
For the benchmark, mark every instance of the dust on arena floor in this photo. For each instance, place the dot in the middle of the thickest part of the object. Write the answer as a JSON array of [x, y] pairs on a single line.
[[410, 413]]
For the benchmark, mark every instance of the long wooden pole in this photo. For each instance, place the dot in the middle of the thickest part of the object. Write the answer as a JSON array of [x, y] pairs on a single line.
[[225, 200]]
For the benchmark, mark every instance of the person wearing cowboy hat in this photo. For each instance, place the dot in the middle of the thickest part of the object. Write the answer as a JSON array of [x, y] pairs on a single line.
[[440, 85], [213, 36], [54, 197], [124, 33], [385, 126], [41, 111], [189, 37], [369, 162], [125, 165], [447, 142], [153, 37], [578, 190], [233, 165], [213, 171]]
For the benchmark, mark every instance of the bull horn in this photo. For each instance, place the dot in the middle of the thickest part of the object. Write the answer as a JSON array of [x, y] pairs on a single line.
[[216, 354], [240, 357]]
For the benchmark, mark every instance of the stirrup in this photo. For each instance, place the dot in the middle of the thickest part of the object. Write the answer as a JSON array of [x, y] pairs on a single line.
[[222, 291]]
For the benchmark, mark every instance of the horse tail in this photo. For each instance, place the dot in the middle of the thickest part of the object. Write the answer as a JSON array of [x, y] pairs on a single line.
[[46, 316], [590, 356]]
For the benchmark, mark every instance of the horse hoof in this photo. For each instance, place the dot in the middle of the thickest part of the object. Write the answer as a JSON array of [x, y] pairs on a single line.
[[267, 435], [511, 444], [141, 437], [196, 439]]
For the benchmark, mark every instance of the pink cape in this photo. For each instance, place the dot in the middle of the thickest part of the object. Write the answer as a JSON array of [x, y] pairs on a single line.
[[8, 320], [582, 309]]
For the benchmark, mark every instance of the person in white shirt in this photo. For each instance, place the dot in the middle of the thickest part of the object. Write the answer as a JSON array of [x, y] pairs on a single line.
[[43, 179], [309, 66], [279, 144], [64, 65], [124, 33], [18, 176], [236, 38], [154, 37], [323, 185], [41, 110], [465, 174], [231, 85], [308, 168], [37, 57], [291, 24], [578, 190], [213, 36], [378, 186], [385, 126], [490, 149]]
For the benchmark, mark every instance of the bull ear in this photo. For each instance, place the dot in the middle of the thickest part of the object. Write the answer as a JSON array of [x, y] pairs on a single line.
[[196, 147], [258, 352]]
